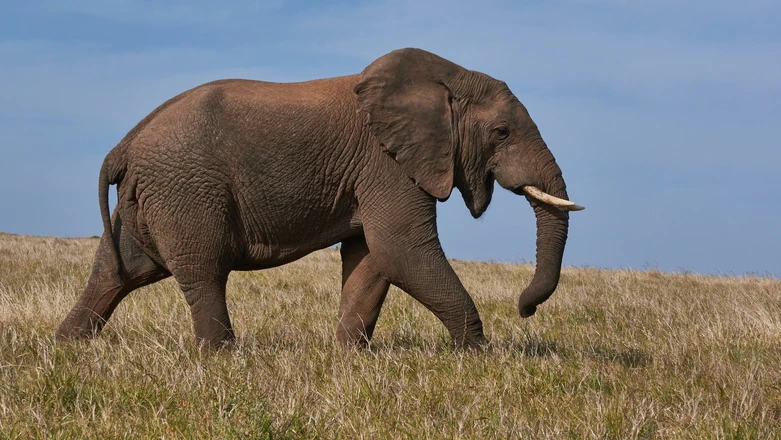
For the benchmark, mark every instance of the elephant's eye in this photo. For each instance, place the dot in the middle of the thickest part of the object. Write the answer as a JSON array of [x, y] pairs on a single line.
[[502, 133]]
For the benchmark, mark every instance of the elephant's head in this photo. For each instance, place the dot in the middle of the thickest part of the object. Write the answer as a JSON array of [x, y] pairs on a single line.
[[448, 126]]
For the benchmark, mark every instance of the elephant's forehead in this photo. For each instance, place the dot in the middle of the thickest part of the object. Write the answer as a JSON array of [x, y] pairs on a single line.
[[502, 107]]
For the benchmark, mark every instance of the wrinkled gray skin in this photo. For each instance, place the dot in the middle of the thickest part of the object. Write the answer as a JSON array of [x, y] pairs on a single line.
[[245, 175]]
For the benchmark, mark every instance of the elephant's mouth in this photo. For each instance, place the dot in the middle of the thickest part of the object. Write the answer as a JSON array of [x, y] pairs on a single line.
[[540, 195]]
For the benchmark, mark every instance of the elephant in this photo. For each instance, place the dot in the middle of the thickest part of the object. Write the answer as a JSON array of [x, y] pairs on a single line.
[[238, 175]]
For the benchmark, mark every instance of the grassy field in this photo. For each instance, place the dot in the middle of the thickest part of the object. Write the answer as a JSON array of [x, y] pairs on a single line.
[[613, 354]]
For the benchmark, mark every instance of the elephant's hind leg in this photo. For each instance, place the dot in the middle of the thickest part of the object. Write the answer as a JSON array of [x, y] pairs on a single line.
[[105, 289], [206, 298], [363, 292], [199, 260]]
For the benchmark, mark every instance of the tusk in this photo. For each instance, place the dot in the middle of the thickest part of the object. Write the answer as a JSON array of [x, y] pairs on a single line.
[[544, 197]]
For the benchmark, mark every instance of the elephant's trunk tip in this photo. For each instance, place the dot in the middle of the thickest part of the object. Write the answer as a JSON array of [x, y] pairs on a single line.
[[527, 311], [535, 295]]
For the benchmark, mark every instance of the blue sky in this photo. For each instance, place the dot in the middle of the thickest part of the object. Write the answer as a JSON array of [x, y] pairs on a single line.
[[664, 115]]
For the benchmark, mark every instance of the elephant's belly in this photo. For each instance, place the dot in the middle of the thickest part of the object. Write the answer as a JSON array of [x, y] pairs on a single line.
[[262, 254]]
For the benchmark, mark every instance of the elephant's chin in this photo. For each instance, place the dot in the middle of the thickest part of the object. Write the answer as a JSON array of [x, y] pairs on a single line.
[[478, 197]]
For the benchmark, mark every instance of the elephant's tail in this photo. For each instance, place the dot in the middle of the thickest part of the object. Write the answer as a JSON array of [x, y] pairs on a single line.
[[112, 172]]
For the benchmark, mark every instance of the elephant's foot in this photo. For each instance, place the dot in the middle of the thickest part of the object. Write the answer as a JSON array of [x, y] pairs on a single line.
[[353, 336], [467, 336], [217, 340], [476, 344], [88, 328]]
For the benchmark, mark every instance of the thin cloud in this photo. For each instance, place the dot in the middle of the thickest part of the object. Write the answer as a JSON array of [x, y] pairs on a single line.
[[94, 83], [552, 47], [211, 14]]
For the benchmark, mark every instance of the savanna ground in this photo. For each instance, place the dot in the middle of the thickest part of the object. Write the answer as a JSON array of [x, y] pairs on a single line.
[[613, 354]]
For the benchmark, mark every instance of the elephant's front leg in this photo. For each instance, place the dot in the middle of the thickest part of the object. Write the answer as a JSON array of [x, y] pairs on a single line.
[[363, 292], [409, 254]]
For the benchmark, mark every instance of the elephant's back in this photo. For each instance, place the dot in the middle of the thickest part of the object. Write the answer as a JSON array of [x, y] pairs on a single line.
[[236, 113]]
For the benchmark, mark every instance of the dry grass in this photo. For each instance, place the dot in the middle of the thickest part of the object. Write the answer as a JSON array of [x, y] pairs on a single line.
[[614, 354]]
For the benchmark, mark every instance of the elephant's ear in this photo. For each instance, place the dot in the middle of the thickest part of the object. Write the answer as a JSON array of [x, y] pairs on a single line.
[[410, 112]]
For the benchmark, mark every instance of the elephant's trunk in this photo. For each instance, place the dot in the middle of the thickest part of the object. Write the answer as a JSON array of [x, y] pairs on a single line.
[[552, 226]]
